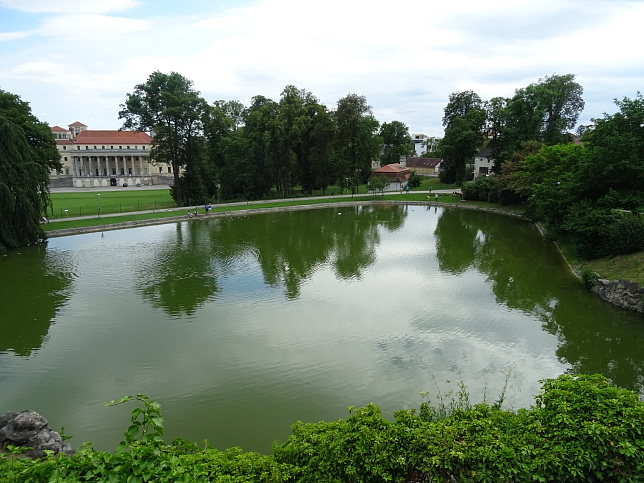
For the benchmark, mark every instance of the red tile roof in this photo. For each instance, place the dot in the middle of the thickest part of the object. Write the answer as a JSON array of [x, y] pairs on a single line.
[[77, 124], [394, 172], [59, 129], [391, 168], [421, 162], [112, 137]]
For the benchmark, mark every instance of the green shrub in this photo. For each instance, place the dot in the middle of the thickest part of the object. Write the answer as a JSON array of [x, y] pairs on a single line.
[[414, 180], [580, 429], [469, 191], [589, 277]]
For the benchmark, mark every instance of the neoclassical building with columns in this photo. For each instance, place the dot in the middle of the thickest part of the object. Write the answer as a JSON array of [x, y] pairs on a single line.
[[101, 158]]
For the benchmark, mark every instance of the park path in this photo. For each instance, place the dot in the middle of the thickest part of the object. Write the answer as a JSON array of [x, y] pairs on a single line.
[[185, 209]]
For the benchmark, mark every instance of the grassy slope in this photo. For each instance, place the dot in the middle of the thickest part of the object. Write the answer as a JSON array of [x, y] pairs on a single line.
[[630, 267]]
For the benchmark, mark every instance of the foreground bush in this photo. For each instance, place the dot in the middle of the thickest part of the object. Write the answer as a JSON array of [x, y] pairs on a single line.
[[580, 429]]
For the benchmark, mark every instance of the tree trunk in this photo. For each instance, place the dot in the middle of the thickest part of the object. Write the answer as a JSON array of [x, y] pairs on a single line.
[[177, 185]]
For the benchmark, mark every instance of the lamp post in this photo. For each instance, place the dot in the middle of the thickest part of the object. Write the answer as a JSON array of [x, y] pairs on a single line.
[[98, 195], [357, 179]]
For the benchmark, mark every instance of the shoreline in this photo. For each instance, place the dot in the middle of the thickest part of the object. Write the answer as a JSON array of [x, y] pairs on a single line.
[[622, 293]]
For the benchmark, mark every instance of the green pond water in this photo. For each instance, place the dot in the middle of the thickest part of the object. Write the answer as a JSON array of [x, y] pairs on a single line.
[[242, 325]]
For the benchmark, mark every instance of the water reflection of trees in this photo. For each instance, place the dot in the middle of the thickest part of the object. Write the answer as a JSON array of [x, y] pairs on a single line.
[[357, 236], [600, 338], [595, 337], [33, 287], [181, 276], [289, 247]]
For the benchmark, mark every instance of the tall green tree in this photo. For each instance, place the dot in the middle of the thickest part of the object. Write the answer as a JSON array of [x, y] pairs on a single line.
[[222, 121], [562, 101], [261, 130], [613, 176], [545, 111], [464, 122], [24, 194], [356, 140], [38, 134], [167, 106], [293, 125], [27, 154], [317, 169], [396, 142], [495, 127]]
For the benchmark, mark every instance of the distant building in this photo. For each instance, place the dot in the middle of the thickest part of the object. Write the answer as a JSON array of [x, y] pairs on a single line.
[[424, 144], [396, 174], [423, 166], [483, 162], [100, 158]]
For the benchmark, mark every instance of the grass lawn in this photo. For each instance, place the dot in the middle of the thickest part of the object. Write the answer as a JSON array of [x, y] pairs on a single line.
[[95, 220], [630, 267], [86, 203]]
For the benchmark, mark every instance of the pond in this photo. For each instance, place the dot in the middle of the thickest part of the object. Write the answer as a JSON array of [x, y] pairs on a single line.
[[240, 326]]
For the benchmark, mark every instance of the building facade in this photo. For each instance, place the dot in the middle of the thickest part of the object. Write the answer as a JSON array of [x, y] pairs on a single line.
[[424, 144], [101, 158], [397, 176], [483, 163], [423, 166]]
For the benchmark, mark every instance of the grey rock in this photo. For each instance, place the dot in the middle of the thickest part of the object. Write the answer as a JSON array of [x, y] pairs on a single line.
[[29, 428], [47, 439], [22, 427]]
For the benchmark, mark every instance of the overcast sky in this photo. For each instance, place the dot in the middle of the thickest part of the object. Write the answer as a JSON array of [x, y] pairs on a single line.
[[76, 61]]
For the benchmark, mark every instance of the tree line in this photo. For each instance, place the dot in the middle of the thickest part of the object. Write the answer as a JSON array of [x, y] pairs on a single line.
[[587, 188], [545, 112], [227, 150]]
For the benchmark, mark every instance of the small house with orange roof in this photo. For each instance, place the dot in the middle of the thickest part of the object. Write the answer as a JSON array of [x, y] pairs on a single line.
[[397, 175]]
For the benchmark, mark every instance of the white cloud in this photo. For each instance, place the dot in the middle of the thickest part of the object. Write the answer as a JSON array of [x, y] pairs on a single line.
[[89, 29], [62, 6], [7, 36], [406, 57]]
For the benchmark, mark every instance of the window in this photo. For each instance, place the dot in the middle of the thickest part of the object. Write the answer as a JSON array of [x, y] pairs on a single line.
[[102, 147], [78, 148], [94, 147], [120, 147], [169, 169], [86, 148], [64, 148], [111, 147], [65, 158], [160, 170], [127, 147]]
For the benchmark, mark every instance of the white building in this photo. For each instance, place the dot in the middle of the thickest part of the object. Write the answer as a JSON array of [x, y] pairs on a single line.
[[423, 144], [483, 163], [100, 158]]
